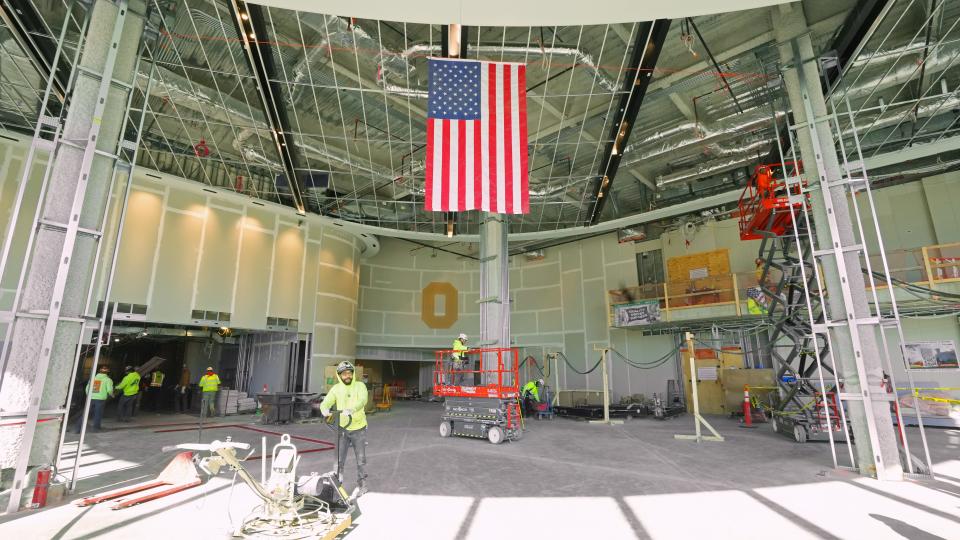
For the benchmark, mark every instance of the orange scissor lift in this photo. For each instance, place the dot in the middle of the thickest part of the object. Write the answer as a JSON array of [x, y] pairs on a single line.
[[772, 212], [481, 402]]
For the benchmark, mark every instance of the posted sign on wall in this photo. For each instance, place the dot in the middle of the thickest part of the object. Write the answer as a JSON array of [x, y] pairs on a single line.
[[637, 313]]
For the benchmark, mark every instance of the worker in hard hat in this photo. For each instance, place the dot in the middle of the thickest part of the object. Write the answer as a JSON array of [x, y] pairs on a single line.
[[349, 397], [130, 386], [209, 384], [531, 394], [765, 182], [458, 359], [100, 388]]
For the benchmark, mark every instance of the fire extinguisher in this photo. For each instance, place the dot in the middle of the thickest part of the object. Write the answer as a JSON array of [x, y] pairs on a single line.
[[41, 486]]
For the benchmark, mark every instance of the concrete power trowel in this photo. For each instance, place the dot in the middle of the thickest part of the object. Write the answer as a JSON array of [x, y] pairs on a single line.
[[314, 506]]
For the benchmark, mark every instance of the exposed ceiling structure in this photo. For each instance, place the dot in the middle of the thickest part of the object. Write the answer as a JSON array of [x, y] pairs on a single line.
[[327, 112]]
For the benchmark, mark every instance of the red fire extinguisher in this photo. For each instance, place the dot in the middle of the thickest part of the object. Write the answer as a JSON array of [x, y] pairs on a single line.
[[40, 488]]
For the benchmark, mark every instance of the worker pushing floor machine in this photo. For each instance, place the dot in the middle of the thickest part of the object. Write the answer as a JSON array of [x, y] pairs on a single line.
[[480, 391], [315, 506]]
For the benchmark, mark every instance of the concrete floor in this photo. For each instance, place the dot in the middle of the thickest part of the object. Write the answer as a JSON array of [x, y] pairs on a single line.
[[565, 479]]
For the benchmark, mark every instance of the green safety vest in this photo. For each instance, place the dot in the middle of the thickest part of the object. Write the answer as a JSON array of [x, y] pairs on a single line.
[[352, 397], [130, 384], [102, 387], [210, 383], [531, 387], [754, 307], [156, 379]]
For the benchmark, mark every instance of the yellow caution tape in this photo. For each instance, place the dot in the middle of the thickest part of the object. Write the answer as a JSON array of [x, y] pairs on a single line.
[[942, 389], [939, 400]]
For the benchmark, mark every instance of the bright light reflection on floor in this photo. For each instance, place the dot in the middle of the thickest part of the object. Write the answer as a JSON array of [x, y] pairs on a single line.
[[550, 517], [847, 511], [426, 517], [711, 514]]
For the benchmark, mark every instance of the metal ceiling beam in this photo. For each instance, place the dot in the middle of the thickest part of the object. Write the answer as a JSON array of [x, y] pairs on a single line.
[[252, 28], [917, 151], [646, 50], [27, 25], [860, 23]]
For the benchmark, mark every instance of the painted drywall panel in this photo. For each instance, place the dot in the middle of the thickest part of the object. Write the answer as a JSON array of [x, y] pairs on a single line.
[[550, 320], [537, 299], [540, 274], [393, 278], [592, 258], [308, 300], [376, 299], [575, 347], [335, 310], [218, 262], [11, 176], [523, 323], [572, 300], [370, 322], [337, 252], [346, 342], [172, 290], [287, 272], [942, 193], [459, 279], [253, 278], [186, 200], [595, 310]]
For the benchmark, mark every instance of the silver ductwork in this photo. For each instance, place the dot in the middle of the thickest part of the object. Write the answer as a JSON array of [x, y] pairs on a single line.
[[690, 134], [580, 58], [705, 169]]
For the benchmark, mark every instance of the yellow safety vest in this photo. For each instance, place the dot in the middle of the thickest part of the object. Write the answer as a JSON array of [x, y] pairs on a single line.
[[458, 349], [210, 383], [156, 379]]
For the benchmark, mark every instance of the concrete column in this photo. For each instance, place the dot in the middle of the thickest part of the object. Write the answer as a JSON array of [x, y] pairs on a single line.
[[876, 444], [20, 377], [494, 284]]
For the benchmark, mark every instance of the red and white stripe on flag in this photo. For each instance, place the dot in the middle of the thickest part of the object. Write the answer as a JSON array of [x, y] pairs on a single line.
[[481, 164]]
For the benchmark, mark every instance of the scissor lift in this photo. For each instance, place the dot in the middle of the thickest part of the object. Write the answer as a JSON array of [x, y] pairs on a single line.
[[481, 402], [771, 210]]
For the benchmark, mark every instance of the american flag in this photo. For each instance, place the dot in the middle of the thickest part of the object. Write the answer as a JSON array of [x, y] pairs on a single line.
[[477, 137]]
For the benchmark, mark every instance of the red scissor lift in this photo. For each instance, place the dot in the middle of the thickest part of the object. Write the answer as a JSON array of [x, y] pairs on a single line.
[[480, 394], [764, 203]]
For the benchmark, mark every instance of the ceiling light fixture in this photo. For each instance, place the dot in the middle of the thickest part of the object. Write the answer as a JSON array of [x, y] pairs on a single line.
[[244, 16], [253, 36]]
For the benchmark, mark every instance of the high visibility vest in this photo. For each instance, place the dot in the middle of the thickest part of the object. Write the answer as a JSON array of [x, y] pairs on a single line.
[[156, 379], [130, 384], [210, 383], [531, 388], [458, 349], [101, 387], [754, 307]]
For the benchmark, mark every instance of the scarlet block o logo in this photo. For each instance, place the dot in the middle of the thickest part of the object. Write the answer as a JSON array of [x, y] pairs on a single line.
[[428, 307]]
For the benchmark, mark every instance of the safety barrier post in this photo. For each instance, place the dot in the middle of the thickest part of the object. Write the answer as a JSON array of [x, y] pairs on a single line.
[[606, 388], [697, 419], [747, 413]]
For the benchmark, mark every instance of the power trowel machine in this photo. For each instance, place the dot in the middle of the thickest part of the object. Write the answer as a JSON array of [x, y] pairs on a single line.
[[314, 506]]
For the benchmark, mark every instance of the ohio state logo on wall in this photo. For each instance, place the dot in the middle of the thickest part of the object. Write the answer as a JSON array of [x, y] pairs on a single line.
[[428, 307]]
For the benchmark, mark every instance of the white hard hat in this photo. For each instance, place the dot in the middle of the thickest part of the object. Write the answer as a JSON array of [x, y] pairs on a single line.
[[462, 337], [209, 368], [540, 382]]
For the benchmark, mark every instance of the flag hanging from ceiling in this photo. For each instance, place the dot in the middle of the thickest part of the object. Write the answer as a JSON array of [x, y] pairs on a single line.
[[477, 137]]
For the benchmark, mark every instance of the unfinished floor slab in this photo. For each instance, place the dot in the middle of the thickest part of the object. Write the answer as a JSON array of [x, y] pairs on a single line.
[[566, 478]]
